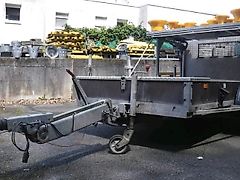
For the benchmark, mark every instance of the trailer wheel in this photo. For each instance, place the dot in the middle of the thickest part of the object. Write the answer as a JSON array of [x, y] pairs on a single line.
[[113, 142]]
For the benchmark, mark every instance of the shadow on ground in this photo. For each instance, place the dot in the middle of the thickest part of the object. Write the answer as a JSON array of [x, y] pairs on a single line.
[[173, 134], [54, 161]]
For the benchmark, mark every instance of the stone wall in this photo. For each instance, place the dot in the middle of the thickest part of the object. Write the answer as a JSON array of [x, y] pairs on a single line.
[[33, 78]]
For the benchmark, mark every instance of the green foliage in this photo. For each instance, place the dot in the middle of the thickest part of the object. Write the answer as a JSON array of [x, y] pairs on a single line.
[[106, 36]]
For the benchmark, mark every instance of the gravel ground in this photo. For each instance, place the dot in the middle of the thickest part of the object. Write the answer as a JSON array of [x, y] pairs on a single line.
[[204, 148]]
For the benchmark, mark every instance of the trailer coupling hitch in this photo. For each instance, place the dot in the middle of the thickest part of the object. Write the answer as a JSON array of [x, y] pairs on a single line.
[[30, 132], [35, 132], [33, 127]]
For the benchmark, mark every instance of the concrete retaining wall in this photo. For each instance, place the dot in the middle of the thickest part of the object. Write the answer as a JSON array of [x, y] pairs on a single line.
[[43, 77]]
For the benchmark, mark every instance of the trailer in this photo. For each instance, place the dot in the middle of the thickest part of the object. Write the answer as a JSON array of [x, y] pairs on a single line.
[[209, 83]]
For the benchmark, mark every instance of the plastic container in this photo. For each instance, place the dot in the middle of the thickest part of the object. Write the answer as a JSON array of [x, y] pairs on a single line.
[[15, 43], [189, 24], [204, 24], [62, 53], [173, 24], [236, 14], [212, 21], [33, 51], [157, 25], [221, 19], [17, 51], [229, 20], [51, 52], [5, 48]]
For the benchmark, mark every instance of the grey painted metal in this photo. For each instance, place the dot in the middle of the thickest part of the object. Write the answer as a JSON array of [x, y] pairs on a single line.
[[226, 68], [159, 45], [81, 95], [140, 78], [188, 96], [201, 32], [162, 109], [41, 128], [211, 106], [237, 99], [161, 59], [214, 111], [133, 96], [182, 67], [76, 119], [172, 97], [13, 122], [220, 40], [81, 92], [210, 94], [127, 135]]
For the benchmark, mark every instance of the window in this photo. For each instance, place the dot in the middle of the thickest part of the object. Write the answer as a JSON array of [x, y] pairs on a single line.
[[13, 12], [101, 21], [120, 22], [99, 27], [100, 18], [61, 20]]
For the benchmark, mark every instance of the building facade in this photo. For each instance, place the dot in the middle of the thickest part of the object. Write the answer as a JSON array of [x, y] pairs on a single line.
[[27, 19]]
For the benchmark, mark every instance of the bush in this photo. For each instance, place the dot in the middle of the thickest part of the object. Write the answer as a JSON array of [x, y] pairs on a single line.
[[112, 36]]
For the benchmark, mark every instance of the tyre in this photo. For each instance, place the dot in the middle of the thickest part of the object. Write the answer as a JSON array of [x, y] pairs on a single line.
[[113, 145]]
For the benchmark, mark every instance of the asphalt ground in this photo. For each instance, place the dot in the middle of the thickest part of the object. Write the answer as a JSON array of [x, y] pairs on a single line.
[[202, 148]]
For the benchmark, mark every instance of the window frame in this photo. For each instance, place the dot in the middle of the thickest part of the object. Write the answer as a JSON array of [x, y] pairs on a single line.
[[61, 16], [9, 20], [101, 21], [121, 21], [101, 18]]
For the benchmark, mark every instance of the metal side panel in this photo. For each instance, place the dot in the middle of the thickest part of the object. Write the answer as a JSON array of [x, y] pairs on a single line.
[[167, 110], [206, 94], [148, 90], [220, 110], [171, 97], [106, 89], [155, 96], [168, 92]]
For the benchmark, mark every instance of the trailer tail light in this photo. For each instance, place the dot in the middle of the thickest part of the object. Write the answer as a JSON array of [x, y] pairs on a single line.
[[205, 85]]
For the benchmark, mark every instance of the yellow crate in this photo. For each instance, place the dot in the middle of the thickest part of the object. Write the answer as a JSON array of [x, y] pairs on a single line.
[[84, 57]]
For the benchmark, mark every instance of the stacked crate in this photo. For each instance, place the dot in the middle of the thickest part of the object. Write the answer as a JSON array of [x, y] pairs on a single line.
[[78, 46], [69, 40], [136, 50]]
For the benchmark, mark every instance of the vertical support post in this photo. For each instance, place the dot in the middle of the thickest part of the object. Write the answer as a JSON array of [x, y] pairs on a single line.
[[133, 100], [187, 97], [174, 71], [182, 67], [159, 45], [90, 65], [127, 135], [129, 66], [133, 97]]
